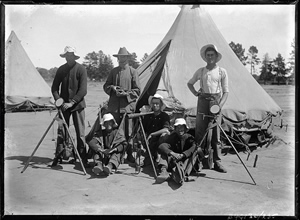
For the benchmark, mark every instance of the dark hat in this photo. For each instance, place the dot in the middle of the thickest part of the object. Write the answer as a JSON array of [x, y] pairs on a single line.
[[122, 52]]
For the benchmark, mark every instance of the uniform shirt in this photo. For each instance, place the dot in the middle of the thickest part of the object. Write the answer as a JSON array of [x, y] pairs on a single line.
[[128, 80], [182, 145], [72, 82], [153, 123], [211, 81]]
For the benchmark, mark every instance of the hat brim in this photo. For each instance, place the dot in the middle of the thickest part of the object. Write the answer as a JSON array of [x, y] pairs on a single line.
[[63, 55], [163, 104], [187, 127], [121, 55], [203, 49]]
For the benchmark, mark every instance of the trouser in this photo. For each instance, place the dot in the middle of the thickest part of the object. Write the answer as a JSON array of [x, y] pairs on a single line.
[[114, 158], [203, 122], [79, 124], [168, 162]]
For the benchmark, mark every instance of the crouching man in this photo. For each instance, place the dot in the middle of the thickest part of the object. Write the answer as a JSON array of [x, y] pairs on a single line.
[[178, 154], [109, 145]]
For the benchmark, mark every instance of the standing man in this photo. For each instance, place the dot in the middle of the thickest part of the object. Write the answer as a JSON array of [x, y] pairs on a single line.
[[123, 87], [213, 89], [72, 80]]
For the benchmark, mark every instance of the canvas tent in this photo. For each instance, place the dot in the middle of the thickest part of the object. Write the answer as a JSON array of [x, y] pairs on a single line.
[[25, 88], [173, 62]]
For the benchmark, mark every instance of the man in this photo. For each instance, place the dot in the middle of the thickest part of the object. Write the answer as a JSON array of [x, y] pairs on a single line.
[[123, 87], [178, 147], [155, 125], [108, 145], [213, 89], [72, 80]]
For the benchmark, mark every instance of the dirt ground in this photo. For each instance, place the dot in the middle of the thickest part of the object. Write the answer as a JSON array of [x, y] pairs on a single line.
[[42, 190]]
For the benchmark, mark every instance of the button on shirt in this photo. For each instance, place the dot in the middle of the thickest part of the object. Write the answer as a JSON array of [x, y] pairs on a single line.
[[153, 123], [211, 81]]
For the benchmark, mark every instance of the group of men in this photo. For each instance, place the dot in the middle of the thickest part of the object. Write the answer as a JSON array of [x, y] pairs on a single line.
[[171, 147]]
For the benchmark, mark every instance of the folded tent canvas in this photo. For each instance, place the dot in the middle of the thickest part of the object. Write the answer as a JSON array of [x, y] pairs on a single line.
[[25, 88], [173, 62]]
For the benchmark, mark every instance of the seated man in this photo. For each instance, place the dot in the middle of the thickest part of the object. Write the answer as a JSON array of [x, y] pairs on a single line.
[[155, 125], [109, 145], [177, 147]]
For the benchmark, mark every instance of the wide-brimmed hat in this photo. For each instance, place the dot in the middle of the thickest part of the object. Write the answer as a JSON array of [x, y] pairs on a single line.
[[70, 50], [108, 117], [157, 96], [203, 49], [122, 52], [180, 121]]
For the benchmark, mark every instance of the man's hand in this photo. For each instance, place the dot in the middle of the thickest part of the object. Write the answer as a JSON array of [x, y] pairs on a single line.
[[67, 105], [120, 92], [176, 156]]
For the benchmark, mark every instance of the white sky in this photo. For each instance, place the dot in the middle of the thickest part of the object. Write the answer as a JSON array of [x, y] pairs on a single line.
[[44, 30]]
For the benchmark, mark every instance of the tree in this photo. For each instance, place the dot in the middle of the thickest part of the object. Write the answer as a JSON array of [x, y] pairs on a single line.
[[253, 59], [279, 68], [43, 72], [98, 65], [132, 61], [144, 57], [239, 51], [266, 69], [52, 72], [292, 60]]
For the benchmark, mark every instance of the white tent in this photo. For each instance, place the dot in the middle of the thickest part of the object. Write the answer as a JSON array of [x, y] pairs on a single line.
[[173, 62], [25, 88]]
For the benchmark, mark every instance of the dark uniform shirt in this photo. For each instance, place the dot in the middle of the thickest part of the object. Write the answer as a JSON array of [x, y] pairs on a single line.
[[153, 123], [182, 145]]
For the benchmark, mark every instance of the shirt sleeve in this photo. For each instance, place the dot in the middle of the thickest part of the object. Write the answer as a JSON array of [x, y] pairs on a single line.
[[166, 121], [109, 82], [55, 85], [135, 91], [195, 77], [82, 90], [224, 81]]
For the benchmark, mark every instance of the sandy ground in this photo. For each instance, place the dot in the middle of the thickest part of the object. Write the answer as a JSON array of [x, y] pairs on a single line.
[[42, 190]]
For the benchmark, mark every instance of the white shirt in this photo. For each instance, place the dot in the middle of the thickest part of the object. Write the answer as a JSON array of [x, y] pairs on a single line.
[[211, 81]]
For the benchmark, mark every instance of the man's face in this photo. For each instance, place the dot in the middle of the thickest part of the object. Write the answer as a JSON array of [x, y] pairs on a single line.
[[122, 60], [109, 126], [211, 57], [70, 57], [180, 130], [156, 104]]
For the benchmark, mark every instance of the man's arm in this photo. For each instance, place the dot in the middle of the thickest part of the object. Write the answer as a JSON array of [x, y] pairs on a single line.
[[192, 89], [82, 90], [55, 85], [223, 99]]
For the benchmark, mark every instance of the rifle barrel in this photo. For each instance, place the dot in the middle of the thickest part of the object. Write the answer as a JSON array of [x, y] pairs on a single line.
[[134, 115]]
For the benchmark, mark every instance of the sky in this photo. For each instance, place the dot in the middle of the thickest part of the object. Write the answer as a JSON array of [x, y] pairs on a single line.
[[44, 30]]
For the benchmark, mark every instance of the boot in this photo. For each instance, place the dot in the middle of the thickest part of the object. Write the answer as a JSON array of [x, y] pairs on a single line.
[[98, 168], [107, 169], [219, 167], [163, 175]]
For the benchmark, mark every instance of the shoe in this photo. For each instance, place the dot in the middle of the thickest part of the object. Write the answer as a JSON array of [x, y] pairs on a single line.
[[130, 158], [107, 170], [219, 167], [163, 176], [98, 168]]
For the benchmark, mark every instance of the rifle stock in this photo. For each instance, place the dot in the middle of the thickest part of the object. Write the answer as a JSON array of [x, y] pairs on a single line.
[[135, 115]]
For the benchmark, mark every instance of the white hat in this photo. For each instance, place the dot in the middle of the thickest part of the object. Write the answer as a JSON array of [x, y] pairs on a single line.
[[70, 50], [108, 117], [180, 121], [157, 96], [203, 49]]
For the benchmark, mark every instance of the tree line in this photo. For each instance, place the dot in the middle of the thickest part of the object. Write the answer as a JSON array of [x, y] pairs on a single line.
[[99, 65], [271, 69]]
